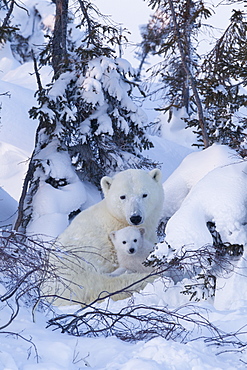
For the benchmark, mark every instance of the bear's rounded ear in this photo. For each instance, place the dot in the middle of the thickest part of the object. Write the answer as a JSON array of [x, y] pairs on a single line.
[[105, 183], [156, 175], [142, 230]]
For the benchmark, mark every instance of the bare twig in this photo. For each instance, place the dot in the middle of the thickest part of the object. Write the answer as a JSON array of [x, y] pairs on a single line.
[[36, 70], [25, 339]]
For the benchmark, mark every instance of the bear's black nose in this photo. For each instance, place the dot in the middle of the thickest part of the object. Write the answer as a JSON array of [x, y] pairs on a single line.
[[136, 220], [132, 250]]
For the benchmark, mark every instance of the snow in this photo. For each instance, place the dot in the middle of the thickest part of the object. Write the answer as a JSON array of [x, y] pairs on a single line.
[[207, 202], [52, 205], [199, 186], [192, 169], [8, 209], [14, 158], [12, 113], [174, 129]]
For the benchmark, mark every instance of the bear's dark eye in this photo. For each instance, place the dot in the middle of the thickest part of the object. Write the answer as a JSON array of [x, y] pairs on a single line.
[[122, 196], [124, 242], [135, 240], [144, 195]]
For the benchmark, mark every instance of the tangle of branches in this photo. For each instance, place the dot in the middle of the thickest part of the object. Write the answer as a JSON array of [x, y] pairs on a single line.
[[25, 266], [141, 322], [132, 323], [24, 261]]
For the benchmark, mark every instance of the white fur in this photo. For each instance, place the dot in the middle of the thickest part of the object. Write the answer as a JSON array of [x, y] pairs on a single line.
[[132, 250], [129, 193]]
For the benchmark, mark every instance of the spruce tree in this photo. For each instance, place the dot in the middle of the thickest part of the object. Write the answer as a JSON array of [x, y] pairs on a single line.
[[222, 85], [177, 43], [87, 112], [153, 35], [209, 88]]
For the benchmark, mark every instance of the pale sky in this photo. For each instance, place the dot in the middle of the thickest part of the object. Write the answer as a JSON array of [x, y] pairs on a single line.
[[131, 14]]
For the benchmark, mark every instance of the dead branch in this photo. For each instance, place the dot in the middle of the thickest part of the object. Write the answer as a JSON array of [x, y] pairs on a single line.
[[25, 267], [140, 322], [17, 335]]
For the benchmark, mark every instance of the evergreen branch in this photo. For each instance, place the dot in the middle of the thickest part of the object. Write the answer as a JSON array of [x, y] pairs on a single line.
[[6, 19]]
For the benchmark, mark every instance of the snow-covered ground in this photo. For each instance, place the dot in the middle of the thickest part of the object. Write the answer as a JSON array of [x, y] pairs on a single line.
[[38, 347], [208, 185]]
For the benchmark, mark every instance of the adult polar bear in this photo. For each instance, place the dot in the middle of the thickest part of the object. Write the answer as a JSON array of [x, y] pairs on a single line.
[[131, 197]]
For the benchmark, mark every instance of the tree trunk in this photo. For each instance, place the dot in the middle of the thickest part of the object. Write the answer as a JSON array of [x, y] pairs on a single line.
[[59, 53], [59, 41], [8, 15], [186, 65]]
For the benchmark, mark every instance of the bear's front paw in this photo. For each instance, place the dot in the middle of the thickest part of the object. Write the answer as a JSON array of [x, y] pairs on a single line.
[[117, 272]]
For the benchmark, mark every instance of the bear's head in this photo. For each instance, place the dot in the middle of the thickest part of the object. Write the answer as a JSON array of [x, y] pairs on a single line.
[[134, 195], [128, 240]]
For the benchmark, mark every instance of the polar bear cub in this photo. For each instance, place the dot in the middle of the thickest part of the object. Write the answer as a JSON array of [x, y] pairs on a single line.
[[132, 249]]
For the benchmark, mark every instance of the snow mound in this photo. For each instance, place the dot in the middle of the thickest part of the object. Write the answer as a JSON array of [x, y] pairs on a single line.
[[15, 159], [220, 197], [192, 169], [17, 129], [8, 207], [60, 193]]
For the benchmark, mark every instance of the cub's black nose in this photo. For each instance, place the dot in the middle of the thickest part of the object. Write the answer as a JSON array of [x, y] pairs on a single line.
[[132, 250], [136, 220]]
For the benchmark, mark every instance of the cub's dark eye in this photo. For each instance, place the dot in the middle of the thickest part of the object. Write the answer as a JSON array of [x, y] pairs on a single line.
[[124, 242], [122, 196], [135, 240], [144, 195]]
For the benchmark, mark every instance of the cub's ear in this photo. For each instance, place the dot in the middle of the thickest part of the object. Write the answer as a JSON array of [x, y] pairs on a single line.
[[156, 175], [105, 184], [142, 231], [112, 236]]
